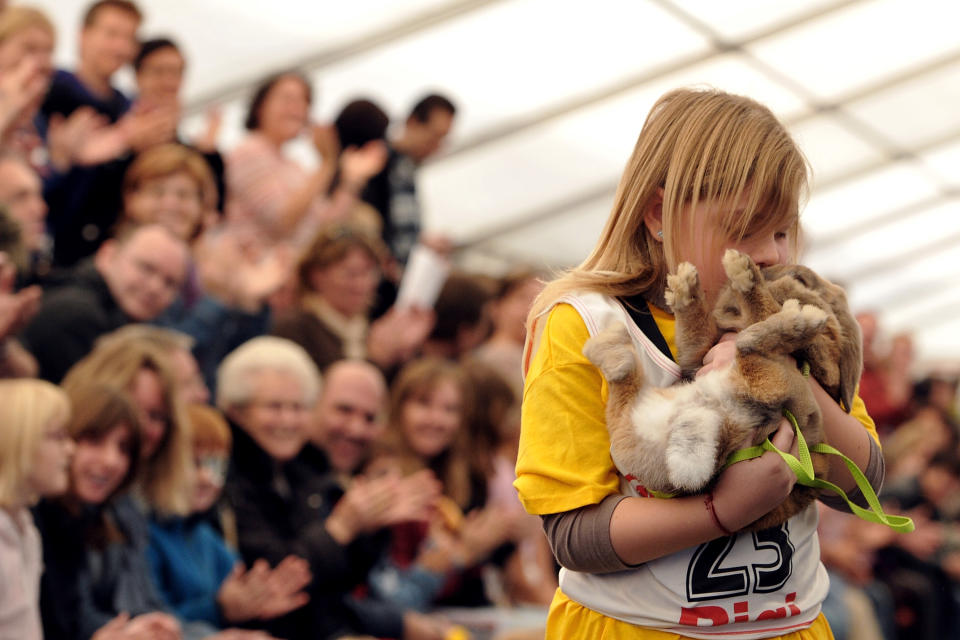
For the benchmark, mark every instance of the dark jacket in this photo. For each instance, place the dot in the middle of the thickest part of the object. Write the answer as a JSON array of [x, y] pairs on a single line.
[[70, 319], [280, 510], [94, 572]]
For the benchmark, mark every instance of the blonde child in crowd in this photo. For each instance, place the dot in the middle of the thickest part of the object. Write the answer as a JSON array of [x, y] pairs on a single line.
[[80, 588], [710, 171], [35, 451]]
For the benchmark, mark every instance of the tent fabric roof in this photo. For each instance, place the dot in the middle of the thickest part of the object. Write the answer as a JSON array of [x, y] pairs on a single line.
[[552, 93]]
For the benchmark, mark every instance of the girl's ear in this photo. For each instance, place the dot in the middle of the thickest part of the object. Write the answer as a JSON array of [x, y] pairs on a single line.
[[653, 215]]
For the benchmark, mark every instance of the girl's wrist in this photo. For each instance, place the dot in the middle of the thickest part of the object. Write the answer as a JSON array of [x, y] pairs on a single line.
[[711, 509]]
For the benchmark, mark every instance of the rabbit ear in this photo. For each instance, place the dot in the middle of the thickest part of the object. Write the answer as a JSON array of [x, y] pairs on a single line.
[[851, 359]]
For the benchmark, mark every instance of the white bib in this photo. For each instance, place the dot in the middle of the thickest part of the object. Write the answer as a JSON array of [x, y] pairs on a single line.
[[750, 585]]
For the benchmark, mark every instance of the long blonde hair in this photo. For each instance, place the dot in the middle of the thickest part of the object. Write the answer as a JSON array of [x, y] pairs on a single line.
[[696, 145], [166, 479], [27, 409]]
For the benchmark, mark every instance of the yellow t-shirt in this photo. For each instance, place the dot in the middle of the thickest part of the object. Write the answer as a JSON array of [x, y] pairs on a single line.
[[564, 457]]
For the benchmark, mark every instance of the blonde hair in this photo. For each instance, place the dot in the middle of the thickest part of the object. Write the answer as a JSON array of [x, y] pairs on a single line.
[[697, 146], [160, 337], [453, 466], [15, 19], [28, 408], [115, 361]]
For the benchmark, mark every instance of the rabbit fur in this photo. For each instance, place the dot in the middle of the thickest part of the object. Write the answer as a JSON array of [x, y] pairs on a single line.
[[676, 439]]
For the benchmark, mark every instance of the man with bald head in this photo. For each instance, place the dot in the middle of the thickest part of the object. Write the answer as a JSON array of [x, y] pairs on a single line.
[[133, 277], [350, 414]]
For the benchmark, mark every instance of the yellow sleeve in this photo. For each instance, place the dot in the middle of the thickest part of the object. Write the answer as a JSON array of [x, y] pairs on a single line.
[[564, 457], [859, 411]]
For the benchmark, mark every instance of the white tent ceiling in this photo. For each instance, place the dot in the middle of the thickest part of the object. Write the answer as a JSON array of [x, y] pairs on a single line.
[[552, 94]]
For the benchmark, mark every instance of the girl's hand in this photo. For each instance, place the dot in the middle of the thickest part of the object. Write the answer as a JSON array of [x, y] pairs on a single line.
[[749, 489], [720, 355]]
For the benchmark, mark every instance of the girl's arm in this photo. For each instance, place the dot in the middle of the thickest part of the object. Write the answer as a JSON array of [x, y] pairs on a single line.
[[623, 531], [644, 529], [847, 432], [844, 431], [564, 464]]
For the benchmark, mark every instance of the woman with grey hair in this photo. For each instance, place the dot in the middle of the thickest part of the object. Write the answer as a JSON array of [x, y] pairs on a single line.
[[284, 495]]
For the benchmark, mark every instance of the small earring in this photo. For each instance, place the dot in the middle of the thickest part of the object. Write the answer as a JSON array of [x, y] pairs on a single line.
[[660, 234]]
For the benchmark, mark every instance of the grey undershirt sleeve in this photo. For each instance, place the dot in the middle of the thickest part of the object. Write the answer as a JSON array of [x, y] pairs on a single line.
[[874, 474], [580, 538]]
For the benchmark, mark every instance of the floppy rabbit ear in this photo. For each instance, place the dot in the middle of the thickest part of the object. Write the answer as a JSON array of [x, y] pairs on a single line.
[[851, 359]]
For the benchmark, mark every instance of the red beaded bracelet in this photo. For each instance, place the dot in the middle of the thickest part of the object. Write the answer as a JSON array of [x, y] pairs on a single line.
[[708, 502]]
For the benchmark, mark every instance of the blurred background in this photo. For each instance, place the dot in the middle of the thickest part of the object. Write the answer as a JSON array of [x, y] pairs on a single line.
[[551, 95]]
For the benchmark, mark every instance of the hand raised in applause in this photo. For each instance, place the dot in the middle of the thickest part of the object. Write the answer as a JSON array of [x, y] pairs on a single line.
[[68, 139], [21, 90], [397, 335], [263, 593], [359, 164]]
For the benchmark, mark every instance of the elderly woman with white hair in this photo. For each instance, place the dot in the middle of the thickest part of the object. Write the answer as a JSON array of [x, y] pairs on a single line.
[[283, 493]]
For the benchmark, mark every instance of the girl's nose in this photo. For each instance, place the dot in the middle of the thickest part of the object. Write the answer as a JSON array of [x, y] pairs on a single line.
[[766, 253]]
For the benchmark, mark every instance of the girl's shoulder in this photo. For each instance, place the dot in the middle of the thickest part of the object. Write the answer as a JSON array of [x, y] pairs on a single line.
[[558, 336]]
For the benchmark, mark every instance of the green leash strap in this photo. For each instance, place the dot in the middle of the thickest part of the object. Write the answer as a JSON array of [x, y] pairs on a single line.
[[803, 468]]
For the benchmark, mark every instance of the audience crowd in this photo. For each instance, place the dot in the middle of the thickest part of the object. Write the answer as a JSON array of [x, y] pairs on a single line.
[[218, 420]]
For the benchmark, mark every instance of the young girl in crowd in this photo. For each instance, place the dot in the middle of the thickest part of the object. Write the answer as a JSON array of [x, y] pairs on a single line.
[[35, 451], [429, 407], [710, 171], [133, 364], [197, 574], [81, 588], [163, 483]]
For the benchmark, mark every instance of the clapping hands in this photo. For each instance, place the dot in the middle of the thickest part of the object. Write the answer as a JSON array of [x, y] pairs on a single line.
[[262, 593]]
